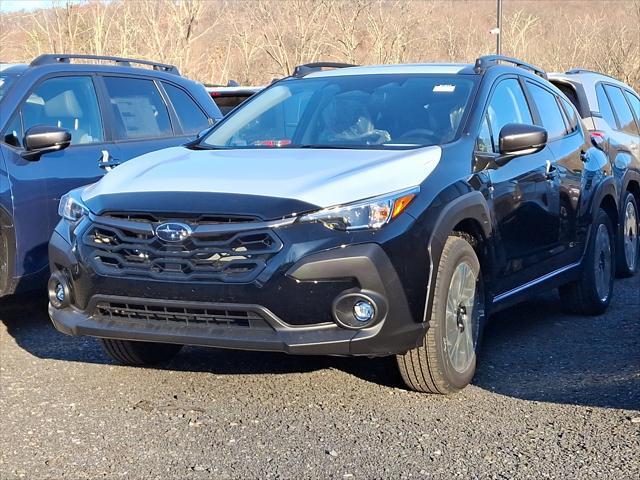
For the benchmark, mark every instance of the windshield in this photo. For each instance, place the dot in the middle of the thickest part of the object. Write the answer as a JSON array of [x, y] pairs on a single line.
[[359, 111], [6, 81]]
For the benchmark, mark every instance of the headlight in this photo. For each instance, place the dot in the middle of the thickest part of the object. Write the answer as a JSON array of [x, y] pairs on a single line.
[[372, 213], [72, 207]]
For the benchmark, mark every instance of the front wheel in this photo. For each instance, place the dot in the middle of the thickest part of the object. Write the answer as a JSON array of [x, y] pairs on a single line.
[[628, 251], [446, 361], [139, 354], [591, 294]]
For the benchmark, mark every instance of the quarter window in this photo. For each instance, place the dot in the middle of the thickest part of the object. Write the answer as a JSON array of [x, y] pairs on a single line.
[[484, 143], [622, 109], [605, 107], [13, 134], [549, 111], [138, 108], [191, 118], [65, 102], [508, 105]]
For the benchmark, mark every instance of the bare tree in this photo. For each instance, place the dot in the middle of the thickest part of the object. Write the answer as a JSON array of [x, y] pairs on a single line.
[[253, 40]]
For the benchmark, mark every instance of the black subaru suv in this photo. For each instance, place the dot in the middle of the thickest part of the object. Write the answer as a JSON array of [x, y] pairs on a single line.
[[383, 210]]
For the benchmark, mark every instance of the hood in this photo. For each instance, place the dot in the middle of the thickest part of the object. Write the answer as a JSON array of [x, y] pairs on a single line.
[[319, 177]]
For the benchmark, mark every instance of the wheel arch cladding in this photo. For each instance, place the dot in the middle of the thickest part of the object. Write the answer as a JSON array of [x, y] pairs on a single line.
[[479, 241], [605, 197], [633, 186], [470, 213], [609, 205], [7, 230]]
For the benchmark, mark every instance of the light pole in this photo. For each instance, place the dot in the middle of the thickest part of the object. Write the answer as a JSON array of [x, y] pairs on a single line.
[[499, 29]]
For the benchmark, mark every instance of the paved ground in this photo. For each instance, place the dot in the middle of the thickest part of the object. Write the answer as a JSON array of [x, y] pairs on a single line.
[[554, 397]]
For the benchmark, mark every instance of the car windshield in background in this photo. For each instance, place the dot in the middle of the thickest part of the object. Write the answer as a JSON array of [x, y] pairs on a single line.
[[358, 111], [6, 81]]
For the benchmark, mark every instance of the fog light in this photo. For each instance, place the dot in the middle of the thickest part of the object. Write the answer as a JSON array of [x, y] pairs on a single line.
[[363, 311], [358, 309], [59, 291]]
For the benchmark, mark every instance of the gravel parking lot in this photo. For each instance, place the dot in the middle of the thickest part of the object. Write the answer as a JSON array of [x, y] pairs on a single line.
[[554, 397]]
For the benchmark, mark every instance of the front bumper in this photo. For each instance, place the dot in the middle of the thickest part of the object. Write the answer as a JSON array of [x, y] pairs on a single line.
[[361, 268]]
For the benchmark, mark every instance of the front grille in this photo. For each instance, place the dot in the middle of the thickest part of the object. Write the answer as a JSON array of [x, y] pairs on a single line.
[[130, 247], [183, 315], [192, 220]]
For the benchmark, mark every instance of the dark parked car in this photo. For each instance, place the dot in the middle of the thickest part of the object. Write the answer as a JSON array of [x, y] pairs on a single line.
[[63, 124], [229, 97], [372, 211], [611, 111]]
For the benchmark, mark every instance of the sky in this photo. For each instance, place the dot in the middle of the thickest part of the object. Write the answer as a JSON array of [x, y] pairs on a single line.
[[16, 5]]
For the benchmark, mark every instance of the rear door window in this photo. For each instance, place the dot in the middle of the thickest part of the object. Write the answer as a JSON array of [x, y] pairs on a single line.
[[508, 105], [605, 107], [626, 121], [192, 119], [137, 108], [549, 111], [65, 102]]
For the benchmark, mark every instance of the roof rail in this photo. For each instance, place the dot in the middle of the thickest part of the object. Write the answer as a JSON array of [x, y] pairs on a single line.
[[303, 70], [50, 58], [486, 61], [584, 70]]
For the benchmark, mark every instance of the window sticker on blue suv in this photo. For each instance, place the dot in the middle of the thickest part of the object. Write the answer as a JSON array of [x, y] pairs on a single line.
[[138, 108]]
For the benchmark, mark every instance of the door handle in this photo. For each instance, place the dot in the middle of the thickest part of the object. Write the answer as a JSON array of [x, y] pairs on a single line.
[[551, 171], [107, 162]]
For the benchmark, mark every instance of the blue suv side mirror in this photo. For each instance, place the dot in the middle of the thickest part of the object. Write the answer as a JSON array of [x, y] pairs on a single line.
[[41, 139]]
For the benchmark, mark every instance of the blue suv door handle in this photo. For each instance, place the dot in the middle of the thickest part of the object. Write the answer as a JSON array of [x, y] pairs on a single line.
[[551, 172], [107, 162]]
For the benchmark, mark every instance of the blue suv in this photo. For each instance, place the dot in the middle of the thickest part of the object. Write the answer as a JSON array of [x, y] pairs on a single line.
[[64, 124]]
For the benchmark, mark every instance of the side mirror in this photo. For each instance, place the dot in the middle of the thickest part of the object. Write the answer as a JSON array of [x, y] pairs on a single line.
[[41, 139], [520, 139]]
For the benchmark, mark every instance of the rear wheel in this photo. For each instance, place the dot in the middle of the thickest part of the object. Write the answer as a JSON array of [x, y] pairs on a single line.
[[132, 353], [446, 361], [591, 294], [628, 251]]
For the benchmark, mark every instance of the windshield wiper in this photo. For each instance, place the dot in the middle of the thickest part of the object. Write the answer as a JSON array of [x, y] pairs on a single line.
[[196, 145], [330, 147]]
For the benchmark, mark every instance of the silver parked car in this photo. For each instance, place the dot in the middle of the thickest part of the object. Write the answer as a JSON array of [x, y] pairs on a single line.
[[610, 110]]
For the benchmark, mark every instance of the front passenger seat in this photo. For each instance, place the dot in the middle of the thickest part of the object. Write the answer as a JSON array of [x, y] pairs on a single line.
[[64, 111]]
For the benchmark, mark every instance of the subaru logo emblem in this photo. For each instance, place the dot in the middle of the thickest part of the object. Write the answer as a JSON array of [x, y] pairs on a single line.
[[173, 232]]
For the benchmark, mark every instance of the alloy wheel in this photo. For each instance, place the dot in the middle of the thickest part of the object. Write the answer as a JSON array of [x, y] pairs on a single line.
[[603, 262], [460, 324], [630, 237]]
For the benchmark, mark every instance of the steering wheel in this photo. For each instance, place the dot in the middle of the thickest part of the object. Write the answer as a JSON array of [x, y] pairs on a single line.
[[419, 133]]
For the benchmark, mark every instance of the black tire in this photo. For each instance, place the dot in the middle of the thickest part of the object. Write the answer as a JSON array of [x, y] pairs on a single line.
[[139, 354], [429, 367], [582, 297], [628, 266], [4, 265]]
